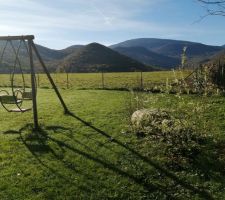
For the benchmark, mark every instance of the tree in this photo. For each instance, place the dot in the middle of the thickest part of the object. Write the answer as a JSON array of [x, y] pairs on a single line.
[[213, 7]]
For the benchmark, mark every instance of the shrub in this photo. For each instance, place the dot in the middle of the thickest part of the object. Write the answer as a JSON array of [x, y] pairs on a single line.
[[181, 142]]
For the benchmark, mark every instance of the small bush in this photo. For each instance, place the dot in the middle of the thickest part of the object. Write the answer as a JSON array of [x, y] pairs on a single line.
[[181, 142]]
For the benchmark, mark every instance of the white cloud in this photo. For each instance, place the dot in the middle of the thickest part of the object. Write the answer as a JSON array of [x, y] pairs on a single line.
[[111, 15], [91, 15]]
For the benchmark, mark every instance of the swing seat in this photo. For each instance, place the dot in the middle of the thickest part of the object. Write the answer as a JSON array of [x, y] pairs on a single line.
[[20, 110], [27, 95], [7, 99], [13, 100]]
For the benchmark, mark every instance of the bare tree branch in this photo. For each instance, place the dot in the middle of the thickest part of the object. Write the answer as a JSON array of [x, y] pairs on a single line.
[[212, 1], [212, 7]]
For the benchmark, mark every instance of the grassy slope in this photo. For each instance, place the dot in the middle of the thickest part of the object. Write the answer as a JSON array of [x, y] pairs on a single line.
[[89, 156]]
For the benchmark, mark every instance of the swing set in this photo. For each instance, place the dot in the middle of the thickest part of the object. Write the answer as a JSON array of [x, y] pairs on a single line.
[[13, 101]]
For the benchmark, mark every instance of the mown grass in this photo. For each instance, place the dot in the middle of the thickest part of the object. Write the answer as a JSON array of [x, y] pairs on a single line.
[[91, 154]]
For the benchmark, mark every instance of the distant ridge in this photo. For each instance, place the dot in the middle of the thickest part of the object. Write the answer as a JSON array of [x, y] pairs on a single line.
[[217, 58], [131, 55], [148, 57], [171, 48]]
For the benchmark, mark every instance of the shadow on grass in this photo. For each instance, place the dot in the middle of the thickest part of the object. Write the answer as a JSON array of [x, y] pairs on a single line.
[[148, 186], [11, 132], [41, 136], [87, 136], [201, 192], [37, 144]]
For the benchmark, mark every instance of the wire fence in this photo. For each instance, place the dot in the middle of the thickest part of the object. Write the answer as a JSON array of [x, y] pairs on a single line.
[[124, 80]]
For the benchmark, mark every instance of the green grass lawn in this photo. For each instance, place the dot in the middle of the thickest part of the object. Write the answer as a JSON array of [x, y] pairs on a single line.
[[93, 155]]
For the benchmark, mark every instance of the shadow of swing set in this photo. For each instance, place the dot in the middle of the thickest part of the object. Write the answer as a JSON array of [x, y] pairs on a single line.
[[19, 95]]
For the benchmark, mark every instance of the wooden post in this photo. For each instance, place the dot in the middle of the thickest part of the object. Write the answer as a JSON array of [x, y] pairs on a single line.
[[50, 78], [67, 80], [35, 114], [103, 81], [141, 81]]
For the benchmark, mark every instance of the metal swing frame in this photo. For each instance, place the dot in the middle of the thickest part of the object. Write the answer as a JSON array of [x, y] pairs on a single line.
[[31, 49], [18, 95]]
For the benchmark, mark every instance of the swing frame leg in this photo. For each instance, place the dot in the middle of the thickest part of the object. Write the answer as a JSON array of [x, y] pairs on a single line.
[[34, 100], [66, 110]]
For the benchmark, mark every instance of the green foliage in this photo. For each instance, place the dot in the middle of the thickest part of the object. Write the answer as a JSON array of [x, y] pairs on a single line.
[[200, 79], [218, 76], [185, 134]]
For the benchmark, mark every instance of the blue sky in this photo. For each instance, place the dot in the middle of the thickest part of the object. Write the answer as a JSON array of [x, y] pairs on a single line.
[[61, 23]]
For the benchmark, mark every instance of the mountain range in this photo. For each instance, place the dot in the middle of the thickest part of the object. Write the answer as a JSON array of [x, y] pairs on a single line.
[[167, 51], [143, 54]]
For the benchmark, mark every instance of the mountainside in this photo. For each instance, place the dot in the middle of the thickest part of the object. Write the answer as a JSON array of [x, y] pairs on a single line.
[[71, 49], [129, 55], [219, 57], [9, 57], [52, 54], [77, 58], [47, 54], [96, 57], [172, 48], [148, 57]]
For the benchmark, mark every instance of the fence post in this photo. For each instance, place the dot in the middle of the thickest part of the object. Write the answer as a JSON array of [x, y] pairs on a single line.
[[141, 80], [103, 81], [67, 80]]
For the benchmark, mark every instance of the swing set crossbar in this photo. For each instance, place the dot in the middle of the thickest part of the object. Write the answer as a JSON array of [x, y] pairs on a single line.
[[22, 37]]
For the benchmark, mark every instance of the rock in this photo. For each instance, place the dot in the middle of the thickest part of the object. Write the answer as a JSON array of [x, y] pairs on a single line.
[[150, 119]]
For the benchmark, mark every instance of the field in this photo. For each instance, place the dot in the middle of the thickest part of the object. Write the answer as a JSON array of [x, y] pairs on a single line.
[[93, 153], [98, 80]]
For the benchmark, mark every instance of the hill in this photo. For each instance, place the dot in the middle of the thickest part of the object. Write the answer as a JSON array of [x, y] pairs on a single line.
[[171, 48], [71, 49], [77, 58], [96, 57], [148, 57], [8, 58], [219, 57], [48, 54]]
